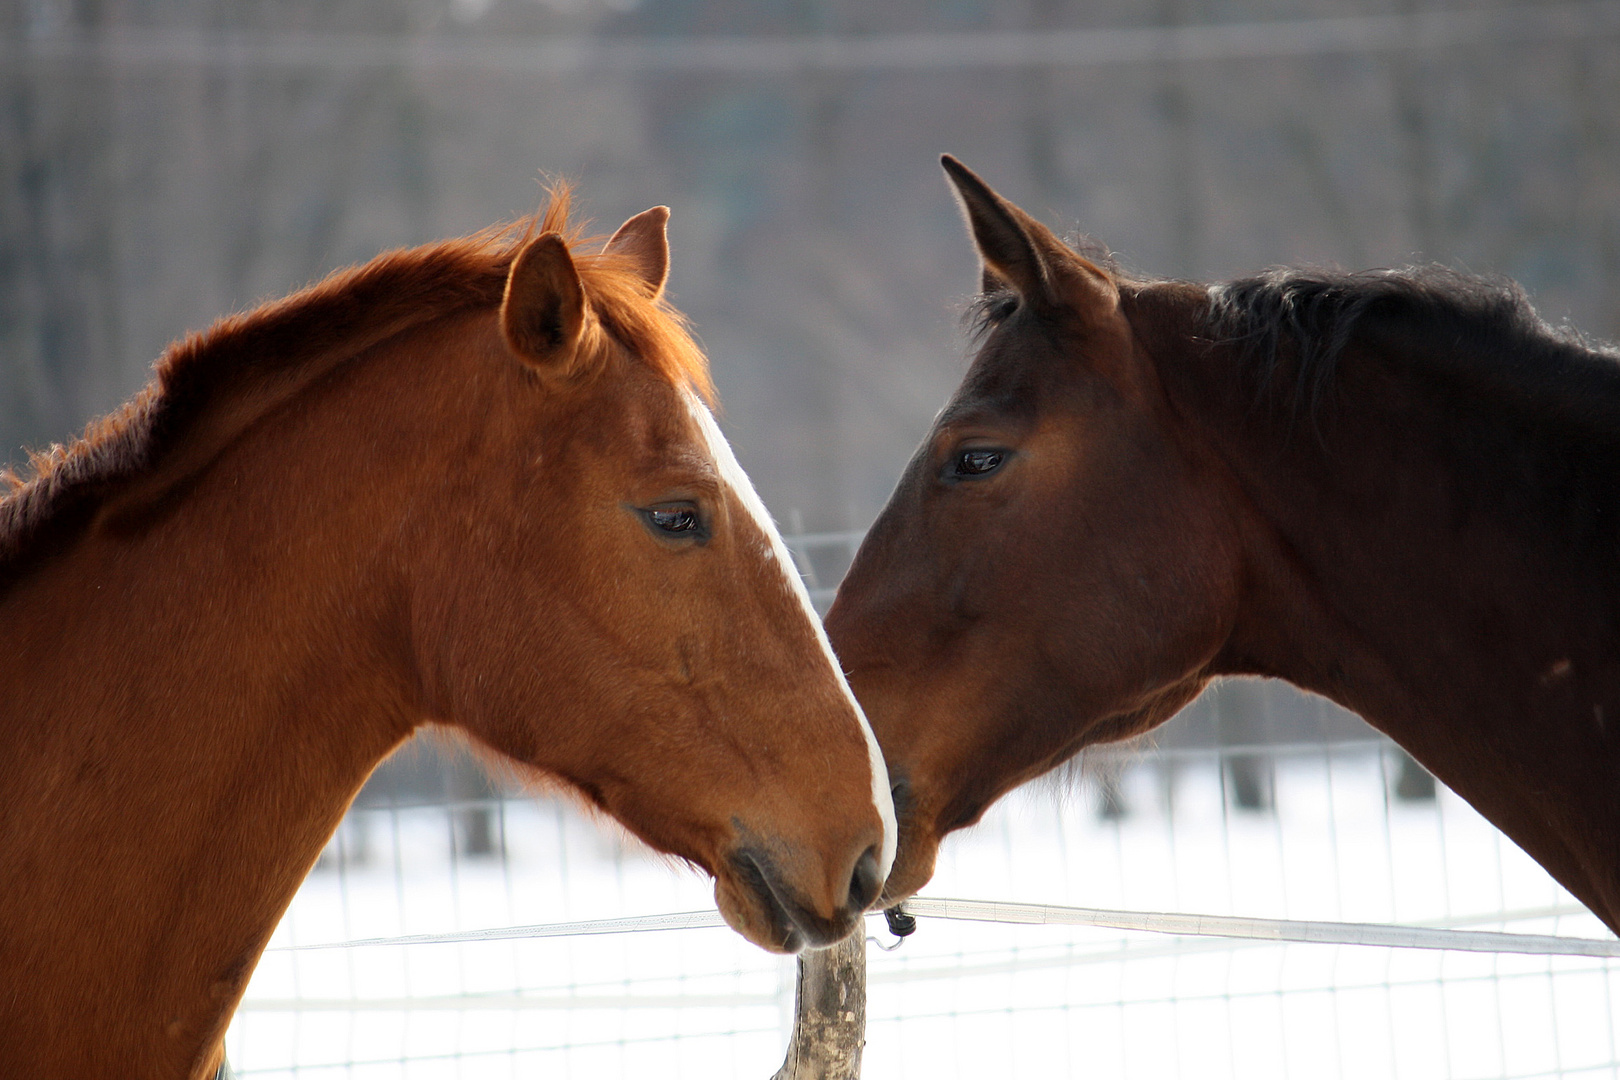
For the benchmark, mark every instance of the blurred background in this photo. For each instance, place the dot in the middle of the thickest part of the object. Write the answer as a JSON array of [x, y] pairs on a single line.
[[165, 162]]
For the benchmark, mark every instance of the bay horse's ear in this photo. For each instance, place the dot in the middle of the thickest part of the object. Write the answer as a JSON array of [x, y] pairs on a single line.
[[644, 239], [1020, 253], [990, 281], [1001, 233], [543, 312]]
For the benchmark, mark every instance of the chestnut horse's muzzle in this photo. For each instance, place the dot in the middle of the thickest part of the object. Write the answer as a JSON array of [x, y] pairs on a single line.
[[772, 913]]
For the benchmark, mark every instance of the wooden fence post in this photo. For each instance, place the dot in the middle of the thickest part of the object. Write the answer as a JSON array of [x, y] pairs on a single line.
[[829, 1023]]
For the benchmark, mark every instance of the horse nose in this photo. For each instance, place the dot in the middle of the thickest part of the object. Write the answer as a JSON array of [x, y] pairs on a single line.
[[778, 903], [865, 882]]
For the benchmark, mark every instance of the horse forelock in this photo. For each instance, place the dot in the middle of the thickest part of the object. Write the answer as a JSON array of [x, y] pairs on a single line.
[[649, 328], [325, 323], [989, 310]]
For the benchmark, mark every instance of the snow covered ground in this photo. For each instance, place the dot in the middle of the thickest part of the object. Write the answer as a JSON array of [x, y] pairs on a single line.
[[958, 999]]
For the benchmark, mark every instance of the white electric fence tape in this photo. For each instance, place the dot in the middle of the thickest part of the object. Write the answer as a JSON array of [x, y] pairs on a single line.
[[999, 911], [1292, 930], [679, 920]]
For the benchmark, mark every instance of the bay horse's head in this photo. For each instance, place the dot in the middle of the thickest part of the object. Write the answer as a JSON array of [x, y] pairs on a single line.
[[601, 593], [1050, 570]]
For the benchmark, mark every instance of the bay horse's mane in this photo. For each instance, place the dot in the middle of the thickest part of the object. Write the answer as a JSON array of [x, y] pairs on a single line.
[[1483, 330], [323, 324]]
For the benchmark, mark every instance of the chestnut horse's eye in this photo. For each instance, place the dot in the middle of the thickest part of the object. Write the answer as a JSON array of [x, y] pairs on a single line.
[[674, 521], [683, 522], [978, 462]]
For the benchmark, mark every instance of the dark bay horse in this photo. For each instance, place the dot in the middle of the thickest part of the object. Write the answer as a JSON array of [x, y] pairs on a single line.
[[1398, 489], [473, 484]]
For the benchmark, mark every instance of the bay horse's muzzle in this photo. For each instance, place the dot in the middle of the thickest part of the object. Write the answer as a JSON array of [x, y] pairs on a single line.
[[790, 923]]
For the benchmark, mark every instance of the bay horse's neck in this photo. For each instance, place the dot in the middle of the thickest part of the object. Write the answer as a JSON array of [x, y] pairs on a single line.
[[1437, 551], [157, 816]]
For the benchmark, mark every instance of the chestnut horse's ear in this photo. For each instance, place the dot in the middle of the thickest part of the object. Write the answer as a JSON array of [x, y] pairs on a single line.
[[543, 312], [644, 239]]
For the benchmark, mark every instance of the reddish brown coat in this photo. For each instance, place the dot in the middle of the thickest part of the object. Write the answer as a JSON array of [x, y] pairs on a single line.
[[471, 485]]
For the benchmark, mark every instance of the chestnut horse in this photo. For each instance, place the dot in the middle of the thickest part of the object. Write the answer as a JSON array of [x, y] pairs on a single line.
[[473, 484], [1397, 489]]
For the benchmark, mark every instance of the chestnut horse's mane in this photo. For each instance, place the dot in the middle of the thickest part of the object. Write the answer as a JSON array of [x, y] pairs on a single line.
[[336, 318]]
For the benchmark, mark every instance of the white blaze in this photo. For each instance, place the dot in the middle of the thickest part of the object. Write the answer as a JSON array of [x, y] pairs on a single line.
[[731, 474]]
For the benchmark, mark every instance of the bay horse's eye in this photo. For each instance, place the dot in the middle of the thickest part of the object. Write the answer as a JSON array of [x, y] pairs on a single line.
[[680, 521], [978, 462]]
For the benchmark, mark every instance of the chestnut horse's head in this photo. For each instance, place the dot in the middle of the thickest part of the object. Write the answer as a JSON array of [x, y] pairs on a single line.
[[1052, 569], [599, 592]]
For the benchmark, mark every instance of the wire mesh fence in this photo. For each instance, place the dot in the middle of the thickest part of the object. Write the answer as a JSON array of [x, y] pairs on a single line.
[[957, 999], [1340, 831], [596, 1005]]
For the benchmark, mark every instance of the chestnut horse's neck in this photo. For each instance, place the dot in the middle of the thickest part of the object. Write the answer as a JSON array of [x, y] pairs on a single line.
[[1432, 542], [195, 688]]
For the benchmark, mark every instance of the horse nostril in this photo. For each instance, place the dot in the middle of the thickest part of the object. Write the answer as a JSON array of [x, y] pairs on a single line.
[[865, 882]]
